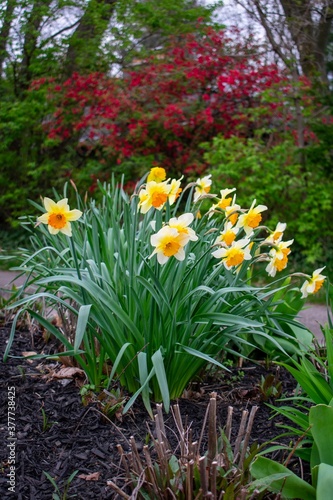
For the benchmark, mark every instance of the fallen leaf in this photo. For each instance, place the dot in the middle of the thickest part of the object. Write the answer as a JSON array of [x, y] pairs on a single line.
[[94, 476], [26, 354], [68, 372]]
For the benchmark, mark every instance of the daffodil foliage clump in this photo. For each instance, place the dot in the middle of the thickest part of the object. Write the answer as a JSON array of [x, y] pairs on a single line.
[[159, 289]]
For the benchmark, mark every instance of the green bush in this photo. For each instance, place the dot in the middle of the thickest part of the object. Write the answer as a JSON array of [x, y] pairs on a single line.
[[300, 192]]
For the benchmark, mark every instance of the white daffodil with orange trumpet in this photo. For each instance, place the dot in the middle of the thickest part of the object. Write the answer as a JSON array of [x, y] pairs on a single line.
[[58, 216]]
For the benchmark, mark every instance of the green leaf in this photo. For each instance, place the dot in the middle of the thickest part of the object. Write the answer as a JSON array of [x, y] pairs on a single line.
[[328, 333], [321, 419], [82, 321], [325, 482], [117, 361], [157, 360], [202, 355], [131, 401], [290, 485], [143, 374], [226, 320], [311, 381]]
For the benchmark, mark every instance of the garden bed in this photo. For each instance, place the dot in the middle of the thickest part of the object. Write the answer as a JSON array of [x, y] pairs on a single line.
[[57, 434]]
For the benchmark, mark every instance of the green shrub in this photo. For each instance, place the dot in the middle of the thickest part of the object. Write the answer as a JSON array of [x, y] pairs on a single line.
[[300, 193]]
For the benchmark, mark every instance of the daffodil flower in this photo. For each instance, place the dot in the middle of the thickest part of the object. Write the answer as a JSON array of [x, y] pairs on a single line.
[[252, 218], [232, 213], [155, 194], [168, 242], [157, 174], [235, 254], [223, 202], [202, 187], [314, 283], [181, 223], [276, 235], [228, 235], [58, 216], [278, 257], [175, 190]]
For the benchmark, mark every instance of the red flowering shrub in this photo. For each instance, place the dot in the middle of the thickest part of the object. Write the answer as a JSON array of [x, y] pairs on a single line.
[[164, 107]]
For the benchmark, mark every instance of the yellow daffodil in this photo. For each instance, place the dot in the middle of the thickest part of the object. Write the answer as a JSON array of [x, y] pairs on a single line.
[[252, 218], [175, 190], [228, 235], [314, 283], [223, 202], [278, 257], [232, 213], [235, 254], [157, 174], [202, 187], [155, 194], [181, 223], [276, 235], [168, 242], [58, 216]]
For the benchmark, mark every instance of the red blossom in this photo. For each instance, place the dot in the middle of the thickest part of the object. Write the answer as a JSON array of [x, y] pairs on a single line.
[[170, 103]]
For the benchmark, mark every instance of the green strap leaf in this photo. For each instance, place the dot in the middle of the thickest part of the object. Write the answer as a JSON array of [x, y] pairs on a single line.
[[157, 360], [325, 482], [321, 419], [226, 319], [82, 321]]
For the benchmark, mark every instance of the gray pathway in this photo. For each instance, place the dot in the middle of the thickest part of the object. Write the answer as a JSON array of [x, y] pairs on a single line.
[[312, 316]]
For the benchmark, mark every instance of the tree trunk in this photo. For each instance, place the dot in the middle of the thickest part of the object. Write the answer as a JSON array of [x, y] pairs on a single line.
[[310, 36], [5, 29], [31, 30], [84, 43]]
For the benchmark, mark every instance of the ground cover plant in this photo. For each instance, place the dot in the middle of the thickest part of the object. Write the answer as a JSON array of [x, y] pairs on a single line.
[[152, 300]]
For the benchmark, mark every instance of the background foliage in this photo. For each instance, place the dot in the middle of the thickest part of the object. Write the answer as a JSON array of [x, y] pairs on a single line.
[[90, 87]]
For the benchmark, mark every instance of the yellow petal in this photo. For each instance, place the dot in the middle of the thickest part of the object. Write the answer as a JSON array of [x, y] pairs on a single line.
[[73, 215]]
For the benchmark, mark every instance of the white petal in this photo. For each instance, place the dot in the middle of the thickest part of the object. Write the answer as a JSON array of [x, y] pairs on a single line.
[[52, 230], [162, 259], [49, 204], [304, 289], [186, 219], [241, 243], [317, 272], [67, 230], [271, 269], [63, 204], [219, 253], [43, 218], [260, 208], [180, 255], [154, 240]]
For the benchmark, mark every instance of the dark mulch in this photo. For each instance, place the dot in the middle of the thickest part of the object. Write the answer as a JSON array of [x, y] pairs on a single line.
[[78, 437]]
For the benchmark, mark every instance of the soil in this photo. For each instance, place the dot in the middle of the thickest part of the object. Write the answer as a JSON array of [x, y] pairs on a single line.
[[56, 433]]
